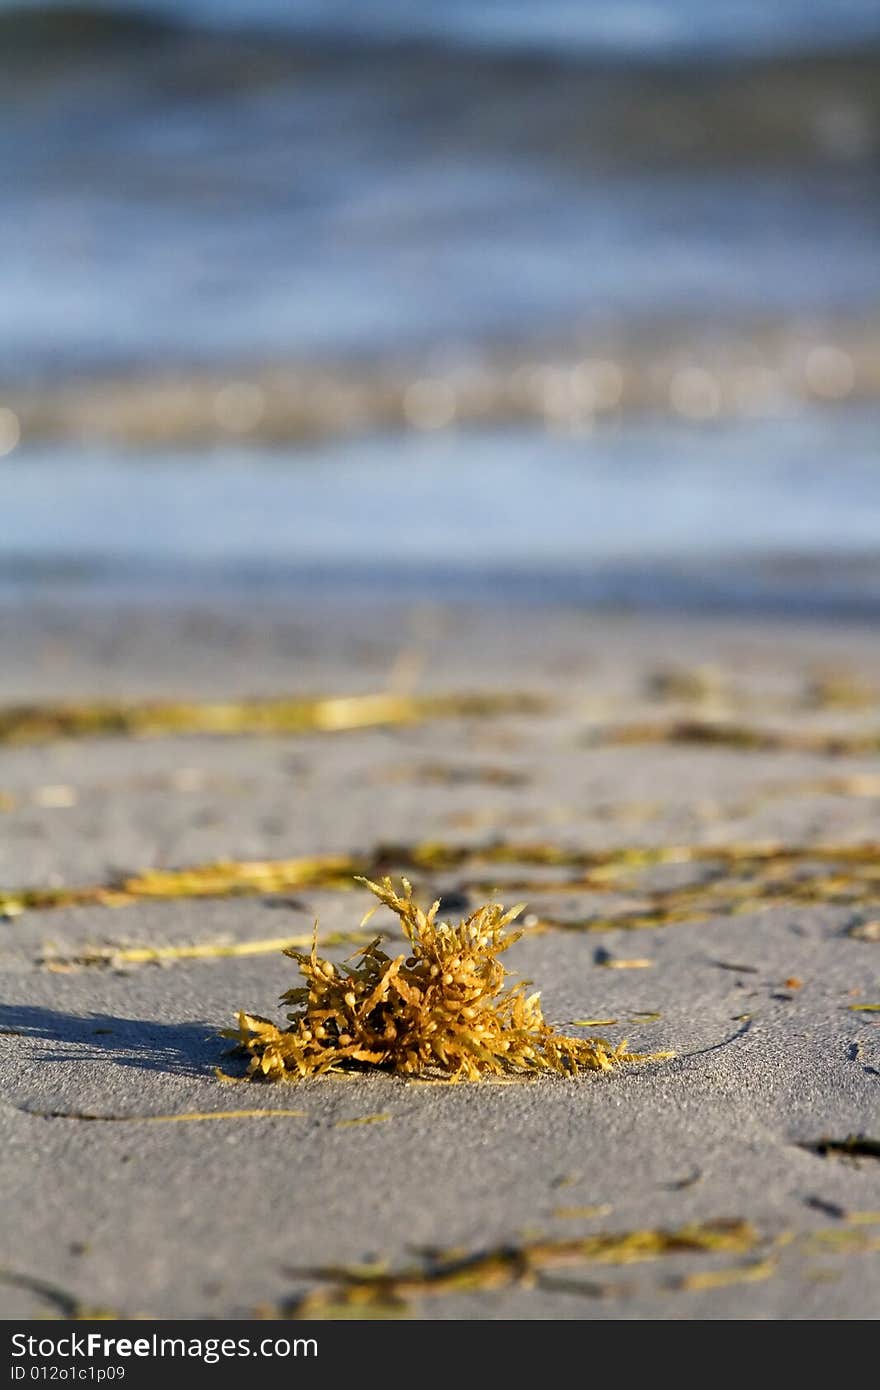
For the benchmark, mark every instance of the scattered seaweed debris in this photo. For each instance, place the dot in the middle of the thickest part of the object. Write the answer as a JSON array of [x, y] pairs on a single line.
[[742, 877], [610, 962], [853, 1146], [363, 1120], [583, 1213], [360, 1292], [752, 1273], [826, 1207], [694, 684], [443, 1008], [33, 723], [182, 1117], [746, 737], [118, 957], [865, 931], [839, 690]]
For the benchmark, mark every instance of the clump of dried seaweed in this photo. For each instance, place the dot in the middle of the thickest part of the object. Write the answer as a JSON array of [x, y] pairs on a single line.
[[442, 1008]]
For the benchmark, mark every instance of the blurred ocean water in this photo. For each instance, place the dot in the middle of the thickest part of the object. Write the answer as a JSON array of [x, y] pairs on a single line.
[[577, 289]]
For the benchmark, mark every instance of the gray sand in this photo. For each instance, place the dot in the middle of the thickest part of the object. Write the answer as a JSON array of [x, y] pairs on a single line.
[[218, 1219]]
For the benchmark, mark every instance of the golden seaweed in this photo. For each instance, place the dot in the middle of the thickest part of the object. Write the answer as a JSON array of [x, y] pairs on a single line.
[[119, 956], [751, 1273], [865, 931], [34, 723], [442, 1008], [743, 737], [181, 1117], [63, 1304], [358, 1291], [634, 963]]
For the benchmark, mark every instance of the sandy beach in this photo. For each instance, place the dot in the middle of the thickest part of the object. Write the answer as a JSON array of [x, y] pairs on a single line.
[[438, 445], [737, 756]]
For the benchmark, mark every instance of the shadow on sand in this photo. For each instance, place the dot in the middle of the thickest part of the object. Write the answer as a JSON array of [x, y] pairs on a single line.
[[177, 1049]]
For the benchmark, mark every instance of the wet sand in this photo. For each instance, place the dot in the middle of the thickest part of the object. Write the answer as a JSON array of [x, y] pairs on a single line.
[[760, 958]]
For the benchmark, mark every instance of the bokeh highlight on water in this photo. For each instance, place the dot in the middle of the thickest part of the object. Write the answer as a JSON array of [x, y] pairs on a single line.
[[577, 299]]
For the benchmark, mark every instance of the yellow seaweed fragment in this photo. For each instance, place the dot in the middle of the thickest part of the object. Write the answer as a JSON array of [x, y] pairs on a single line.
[[442, 1008], [583, 1213], [241, 876], [722, 1278], [745, 877], [843, 1242], [64, 1304], [355, 1289], [304, 714], [865, 931], [746, 737], [184, 1117], [363, 1120]]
